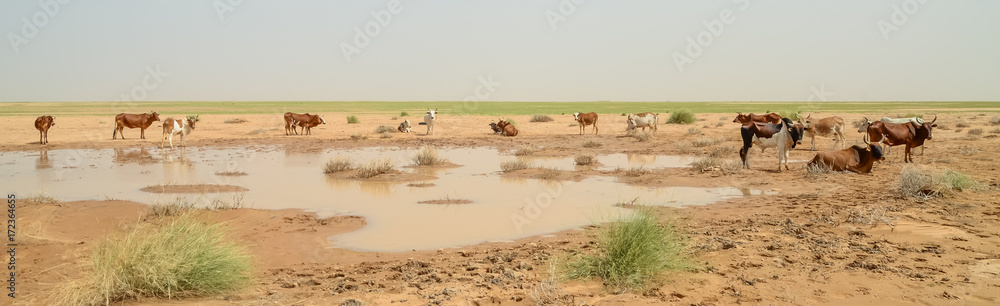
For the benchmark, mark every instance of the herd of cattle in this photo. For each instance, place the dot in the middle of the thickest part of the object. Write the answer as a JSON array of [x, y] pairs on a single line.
[[764, 131]]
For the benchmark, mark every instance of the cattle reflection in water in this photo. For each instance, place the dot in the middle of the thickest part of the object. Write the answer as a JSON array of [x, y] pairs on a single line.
[[43, 159], [140, 156]]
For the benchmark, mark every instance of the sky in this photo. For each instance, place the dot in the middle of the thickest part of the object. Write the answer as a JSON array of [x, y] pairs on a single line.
[[510, 50]]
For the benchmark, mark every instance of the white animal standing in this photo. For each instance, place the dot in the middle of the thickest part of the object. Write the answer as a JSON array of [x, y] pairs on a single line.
[[642, 120], [429, 120], [173, 126]]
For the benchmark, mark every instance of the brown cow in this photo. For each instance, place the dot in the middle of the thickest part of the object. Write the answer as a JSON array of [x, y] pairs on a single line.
[[859, 159], [910, 134], [585, 120], [43, 124], [824, 127], [141, 121], [306, 121], [506, 128], [751, 117]]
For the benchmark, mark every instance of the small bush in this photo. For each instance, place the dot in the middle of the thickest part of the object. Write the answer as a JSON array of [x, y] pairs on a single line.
[[995, 120], [995, 131], [631, 252], [704, 142], [975, 132], [722, 151], [549, 174], [169, 209], [385, 129], [642, 136], [352, 119], [514, 165], [913, 182], [962, 125], [524, 151], [694, 131], [374, 168], [943, 127], [682, 117], [36, 199], [820, 169], [706, 164], [541, 118], [404, 114], [359, 136], [428, 156], [954, 180], [181, 259], [385, 135], [636, 171], [592, 144], [584, 160], [235, 202], [338, 164], [235, 120]]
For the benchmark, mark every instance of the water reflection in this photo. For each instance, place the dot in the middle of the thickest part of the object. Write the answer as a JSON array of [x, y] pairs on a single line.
[[43, 159]]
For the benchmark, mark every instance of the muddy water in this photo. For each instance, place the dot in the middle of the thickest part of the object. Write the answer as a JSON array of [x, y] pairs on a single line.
[[502, 208]]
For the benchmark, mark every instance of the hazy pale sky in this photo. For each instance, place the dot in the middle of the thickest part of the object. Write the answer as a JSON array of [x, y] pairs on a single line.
[[510, 50]]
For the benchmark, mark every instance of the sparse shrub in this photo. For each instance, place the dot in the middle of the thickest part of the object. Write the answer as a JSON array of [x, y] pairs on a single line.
[[694, 131], [642, 136], [374, 168], [705, 141], [37, 199], [385, 135], [169, 209], [574, 124], [592, 144], [975, 132], [995, 131], [352, 119], [549, 174], [706, 164], [682, 117], [720, 124], [514, 165], [428, 156], [404, 114], [584, 160], [995, 120], [338, 164], [943, 127], [722, 151], [636, 171], [524, 150], [962, 125], [870, 215], [541, 118], [230, 173], [913, 182], [954, 180], [235, 202], [264, 130], [815, 170], [385, 129], [180, 259], [631, 251], [235, 120], [359, 136]]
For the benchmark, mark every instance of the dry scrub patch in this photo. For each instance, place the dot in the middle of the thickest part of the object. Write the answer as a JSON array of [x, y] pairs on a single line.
[[197, 188]]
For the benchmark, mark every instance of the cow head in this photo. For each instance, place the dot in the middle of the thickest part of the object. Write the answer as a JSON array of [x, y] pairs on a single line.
[[864, 125], [432, 114], [796, 131], [876, 151], [806, 122], [155, 116], [52, 121], [630, 123], [576, 116], [192, 119], [321, 120], [741, 118], [927, 127]]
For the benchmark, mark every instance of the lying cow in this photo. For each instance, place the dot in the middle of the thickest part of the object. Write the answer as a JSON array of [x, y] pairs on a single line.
[[825, 127], [858, 159], [42, 124], [496, 128], [506, 128], [305, 121], [141, 121], [642, 120], [173, 126], [785, 136], [910, 134], [405, 126], [429, 119], [585, 120], [751, 117]]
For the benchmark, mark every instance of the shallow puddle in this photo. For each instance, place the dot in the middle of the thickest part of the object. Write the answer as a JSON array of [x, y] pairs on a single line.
[[501, 208]]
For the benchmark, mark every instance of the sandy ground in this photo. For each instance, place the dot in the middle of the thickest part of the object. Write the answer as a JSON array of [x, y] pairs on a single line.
[[808, 244]]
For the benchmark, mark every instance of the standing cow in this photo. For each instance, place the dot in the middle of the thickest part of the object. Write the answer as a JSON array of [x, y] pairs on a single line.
[[751, 117], [141, 121], [42, 124], [785, 135], [825, 127], [586, 119], [641, 120], [305, 121], [910, 134], [429, 120], [858, 159], [173, 126]]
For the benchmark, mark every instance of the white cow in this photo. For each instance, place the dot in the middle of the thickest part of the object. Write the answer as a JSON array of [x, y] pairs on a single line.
[[784, 136], [429, 120], [173, 126], [642, 120]]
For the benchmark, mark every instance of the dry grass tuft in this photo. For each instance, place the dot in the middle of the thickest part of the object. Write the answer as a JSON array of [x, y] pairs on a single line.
[[706, 164], [428, 156], [541, 118], [585, 159], [524, 150], [514, 165], [592, 144], [642, 136], [385, 129], [235, 120], [374, 168], [338, 164]]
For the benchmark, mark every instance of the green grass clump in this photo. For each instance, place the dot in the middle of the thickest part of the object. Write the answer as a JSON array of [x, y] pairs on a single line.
[[352, 119], [541, 118], [682, 117], [428, 156], [182, 258], [954, 180], [631, 252], [404, 114], [794, 115]]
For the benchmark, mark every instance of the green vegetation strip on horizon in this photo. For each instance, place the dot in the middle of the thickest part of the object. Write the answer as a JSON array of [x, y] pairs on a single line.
[[463, 108]]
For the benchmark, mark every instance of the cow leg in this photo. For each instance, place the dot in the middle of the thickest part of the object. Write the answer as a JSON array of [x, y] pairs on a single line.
[[813, 135], [906, 155], [142, 133], [595, 127]]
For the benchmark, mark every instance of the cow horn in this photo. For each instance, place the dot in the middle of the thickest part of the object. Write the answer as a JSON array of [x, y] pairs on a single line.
[[935, 119]]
